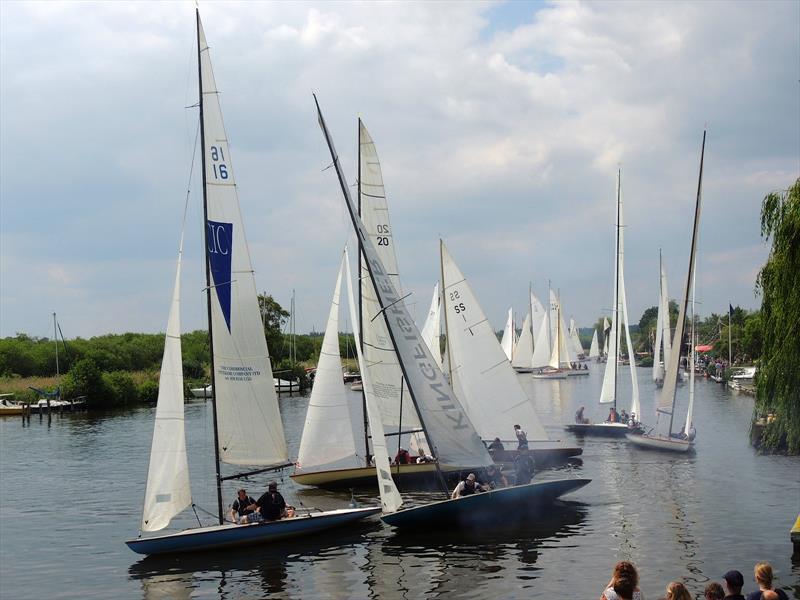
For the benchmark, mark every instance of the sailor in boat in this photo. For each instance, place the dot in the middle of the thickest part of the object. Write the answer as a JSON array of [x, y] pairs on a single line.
[[632, 422], [579, 418], [623, 417], [270, 506], [496, 445], [468, 487], [403, 457], [522, 438], [613, 415], [523, 466], [423, 458], [242, 506], [494, 477]]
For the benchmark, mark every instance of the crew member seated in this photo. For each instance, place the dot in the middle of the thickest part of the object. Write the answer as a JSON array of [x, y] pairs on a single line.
[[494, 477], [242, 506], [496, 445], [467, 487], [402, 457]]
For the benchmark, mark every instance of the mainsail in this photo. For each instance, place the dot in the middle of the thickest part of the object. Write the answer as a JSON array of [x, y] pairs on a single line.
[[594, 349], [449, 431], [327, 441], [379, 351], [248, 421], [507, 343], [524, 352], [168, 491], [481, 376], [577, 347]]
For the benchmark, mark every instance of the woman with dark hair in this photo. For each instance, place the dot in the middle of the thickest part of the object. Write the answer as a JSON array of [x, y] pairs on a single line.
[[624, 584]]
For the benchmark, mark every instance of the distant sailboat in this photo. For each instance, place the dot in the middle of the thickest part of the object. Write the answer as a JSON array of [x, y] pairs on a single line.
[[448, 428], [594, 348], [523, 354], [507, 343], [247, 423], [609, 391], [662, 437], [577, 347]]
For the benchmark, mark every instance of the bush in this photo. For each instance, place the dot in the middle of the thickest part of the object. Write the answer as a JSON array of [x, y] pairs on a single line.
[[148, 391], [85, 379], [122, 390]]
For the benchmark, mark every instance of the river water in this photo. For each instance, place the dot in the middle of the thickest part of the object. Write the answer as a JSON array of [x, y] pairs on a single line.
[[71, 494]]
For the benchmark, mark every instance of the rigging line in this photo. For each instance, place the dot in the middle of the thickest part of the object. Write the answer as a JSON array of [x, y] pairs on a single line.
[[390, 305]]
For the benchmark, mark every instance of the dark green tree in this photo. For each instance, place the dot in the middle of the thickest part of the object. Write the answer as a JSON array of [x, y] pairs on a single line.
[[274, 317], [778, 377]]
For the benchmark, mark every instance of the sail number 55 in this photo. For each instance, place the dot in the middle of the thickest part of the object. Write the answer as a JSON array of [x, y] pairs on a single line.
[[217, 164]]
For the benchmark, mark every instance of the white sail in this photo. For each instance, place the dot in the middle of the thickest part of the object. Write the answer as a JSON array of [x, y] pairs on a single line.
[[379, 352], [481, 376], [538, 316], [391, 500], [168, 491], [552, 319], [566, 353], [248, 421], [577, 347], [635, 405], [327, 441], [431, 329], [507, 343], [541, 349], [524, 352], [658, 369], [594, 349], [606, 332], [608, 393], [693, 348], [450, 432], [666, 331]]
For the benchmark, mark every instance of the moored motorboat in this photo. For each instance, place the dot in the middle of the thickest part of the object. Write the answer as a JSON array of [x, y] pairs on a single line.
[[9, 408]]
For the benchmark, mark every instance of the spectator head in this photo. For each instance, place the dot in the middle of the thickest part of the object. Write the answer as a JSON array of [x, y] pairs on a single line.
[[624, 586], [272, 486], [734, 581], [242, 493], [677, 591], [763, 573], [517, 427], [714, 591], [471, 476], [625, 570]]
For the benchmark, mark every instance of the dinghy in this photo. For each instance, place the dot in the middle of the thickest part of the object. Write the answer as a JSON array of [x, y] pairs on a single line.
[[662, 436], [247, 423], [447, 427]]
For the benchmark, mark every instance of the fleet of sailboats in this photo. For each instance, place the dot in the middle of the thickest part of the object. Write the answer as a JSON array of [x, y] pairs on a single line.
[[449, 407]]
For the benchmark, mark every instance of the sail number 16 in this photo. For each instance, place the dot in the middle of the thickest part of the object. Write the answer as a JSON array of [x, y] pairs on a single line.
[[220, 168]]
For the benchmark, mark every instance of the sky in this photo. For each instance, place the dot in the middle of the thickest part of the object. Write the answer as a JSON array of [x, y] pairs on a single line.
[[500, 128]]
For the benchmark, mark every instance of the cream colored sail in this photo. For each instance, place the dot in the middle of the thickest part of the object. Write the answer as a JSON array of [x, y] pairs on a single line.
[[594, 348], [249, 423], [327, 442], [379, 351], [577, 347], [541, 348], [168, 491], [481, 376], [391, 500], [524, 352]]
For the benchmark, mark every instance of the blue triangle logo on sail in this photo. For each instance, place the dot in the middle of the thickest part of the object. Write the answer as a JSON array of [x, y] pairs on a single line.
[[220, 251]]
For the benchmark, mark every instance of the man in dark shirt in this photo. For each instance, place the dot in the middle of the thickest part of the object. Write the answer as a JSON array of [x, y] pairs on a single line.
[[242, 506], [734, 581], [496, 445], [402, 457], [523, 465], [271, 504]]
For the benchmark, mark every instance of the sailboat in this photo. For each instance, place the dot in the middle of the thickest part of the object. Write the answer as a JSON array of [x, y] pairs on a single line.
[[398, 416], [247, 423], [486, 385], [609, 392], [447, 427], [577, 347], [507, 342], [559, 365], [606, 334], [663, 329], [523, 355], [662, 437]]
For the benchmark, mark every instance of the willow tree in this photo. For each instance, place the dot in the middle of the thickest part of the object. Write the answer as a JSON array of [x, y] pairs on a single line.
[[778, 380]]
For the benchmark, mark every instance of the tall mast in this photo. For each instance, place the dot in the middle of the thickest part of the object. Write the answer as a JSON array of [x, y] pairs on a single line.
[[208, 275], [55, 338], [690, 274], [616, 290], [360, 307], [530, 310]]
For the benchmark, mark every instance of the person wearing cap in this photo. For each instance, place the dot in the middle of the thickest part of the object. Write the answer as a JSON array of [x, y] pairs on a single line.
[[271, 504], [242, 506], [468, 487], [522, 437], [763, 575], [734, 581]]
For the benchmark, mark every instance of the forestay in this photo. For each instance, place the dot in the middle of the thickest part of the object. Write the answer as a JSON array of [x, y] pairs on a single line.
[[391, 500], [327, 441], [450, 432], [481, 376], [249, 423], [168, 491], [379, 352]]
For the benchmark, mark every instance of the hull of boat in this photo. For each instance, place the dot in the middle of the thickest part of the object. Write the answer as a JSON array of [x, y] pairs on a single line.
[[578, 373], [617, 430], [407, 476], [9, 411], [660, 443], [549, 375], [523, 501], [228, 536], [523, 369]]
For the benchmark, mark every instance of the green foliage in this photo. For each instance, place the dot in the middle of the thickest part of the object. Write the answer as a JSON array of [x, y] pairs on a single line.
[[121, 388], [85, 379], [273, 316], [148, 391], [778, 377]]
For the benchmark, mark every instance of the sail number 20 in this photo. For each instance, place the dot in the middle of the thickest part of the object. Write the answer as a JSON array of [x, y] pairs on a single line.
[[219, 167], [383, 240]]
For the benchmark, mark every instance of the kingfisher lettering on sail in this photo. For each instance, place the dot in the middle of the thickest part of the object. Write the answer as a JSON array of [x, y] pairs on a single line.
[[220, 252]]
